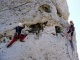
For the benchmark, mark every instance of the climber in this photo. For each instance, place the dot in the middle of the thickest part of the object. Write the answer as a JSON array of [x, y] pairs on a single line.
[[71, 31], [18, 30], [18, 34]]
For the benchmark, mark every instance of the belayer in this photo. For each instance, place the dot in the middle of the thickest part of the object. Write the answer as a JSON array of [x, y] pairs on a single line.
[[17, 34], [71, 31]]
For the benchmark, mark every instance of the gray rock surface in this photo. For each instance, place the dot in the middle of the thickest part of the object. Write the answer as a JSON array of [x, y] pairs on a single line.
[[46, 46]]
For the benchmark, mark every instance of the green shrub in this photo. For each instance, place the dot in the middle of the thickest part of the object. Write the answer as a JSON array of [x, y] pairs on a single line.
[[58, 29]]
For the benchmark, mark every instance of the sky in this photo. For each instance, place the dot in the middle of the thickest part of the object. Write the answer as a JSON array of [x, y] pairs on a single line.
[[74, 10]]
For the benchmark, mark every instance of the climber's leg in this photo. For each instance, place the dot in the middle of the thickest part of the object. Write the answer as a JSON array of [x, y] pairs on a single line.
[[71, 44], [71, 37]]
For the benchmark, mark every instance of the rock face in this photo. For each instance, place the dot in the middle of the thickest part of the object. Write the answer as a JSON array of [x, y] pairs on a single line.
[[44, 46], [29, 10]]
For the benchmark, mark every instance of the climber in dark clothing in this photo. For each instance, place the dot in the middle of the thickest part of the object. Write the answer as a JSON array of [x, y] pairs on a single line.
[[18, 34], [18, 30], [71, 31]]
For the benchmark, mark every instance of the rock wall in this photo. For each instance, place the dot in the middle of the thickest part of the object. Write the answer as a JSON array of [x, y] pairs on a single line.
[[13, 11], [46, 46]]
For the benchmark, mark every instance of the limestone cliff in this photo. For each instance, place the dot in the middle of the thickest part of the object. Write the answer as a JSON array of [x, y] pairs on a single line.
[[47, 45]]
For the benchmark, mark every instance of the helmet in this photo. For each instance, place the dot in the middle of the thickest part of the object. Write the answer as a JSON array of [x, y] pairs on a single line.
[[20, 24]]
